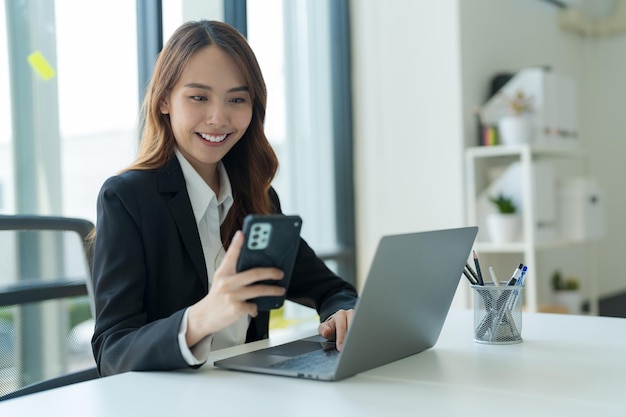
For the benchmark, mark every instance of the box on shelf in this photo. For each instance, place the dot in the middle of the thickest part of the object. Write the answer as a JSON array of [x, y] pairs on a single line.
[[555, 103], [581, 210]]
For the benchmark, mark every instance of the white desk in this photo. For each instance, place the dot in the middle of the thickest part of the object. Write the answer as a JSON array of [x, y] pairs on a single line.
[[566, 366]]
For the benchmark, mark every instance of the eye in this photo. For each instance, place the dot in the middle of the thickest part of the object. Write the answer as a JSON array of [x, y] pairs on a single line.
[[237, 100], [198, 98]]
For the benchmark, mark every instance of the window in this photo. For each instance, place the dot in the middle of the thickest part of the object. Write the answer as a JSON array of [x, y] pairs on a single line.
[[309, 118], [72, 130], [296, 60], [69, 123]]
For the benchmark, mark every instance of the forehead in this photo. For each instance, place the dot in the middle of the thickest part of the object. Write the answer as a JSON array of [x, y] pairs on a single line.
[[213, 67]]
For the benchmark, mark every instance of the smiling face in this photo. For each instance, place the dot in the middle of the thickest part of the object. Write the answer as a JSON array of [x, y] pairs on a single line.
[[209, 108]]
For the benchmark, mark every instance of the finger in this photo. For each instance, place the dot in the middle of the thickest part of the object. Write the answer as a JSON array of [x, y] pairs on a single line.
[[341, 328], [232, 254], [327, 328], [253, 309], [255, 275], [255, 291]]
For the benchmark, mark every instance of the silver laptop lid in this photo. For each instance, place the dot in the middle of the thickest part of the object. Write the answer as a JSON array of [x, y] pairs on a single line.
[[406, 297]]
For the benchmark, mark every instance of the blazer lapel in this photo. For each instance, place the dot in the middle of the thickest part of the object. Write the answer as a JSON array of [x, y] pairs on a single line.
[[172, 182]]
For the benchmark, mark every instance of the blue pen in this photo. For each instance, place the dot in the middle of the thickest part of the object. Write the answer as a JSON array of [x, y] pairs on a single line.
[[520, 281], [503, 302], [522, 277]]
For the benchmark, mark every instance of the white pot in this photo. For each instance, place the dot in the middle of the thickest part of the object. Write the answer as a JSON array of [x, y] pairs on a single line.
[[503, 228], [570, 299], [516, 130]]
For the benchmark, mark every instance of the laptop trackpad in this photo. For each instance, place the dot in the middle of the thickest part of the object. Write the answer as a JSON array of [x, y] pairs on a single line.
[[296, 348], [269, 356]]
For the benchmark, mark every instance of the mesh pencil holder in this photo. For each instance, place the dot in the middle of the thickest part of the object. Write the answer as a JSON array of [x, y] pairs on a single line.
[[497, 313]]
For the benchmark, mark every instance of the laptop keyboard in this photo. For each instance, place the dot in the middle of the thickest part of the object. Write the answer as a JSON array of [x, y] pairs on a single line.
[[319, 360]]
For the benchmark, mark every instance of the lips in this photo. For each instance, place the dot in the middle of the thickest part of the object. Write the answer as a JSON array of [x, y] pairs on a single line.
[[213, 138]]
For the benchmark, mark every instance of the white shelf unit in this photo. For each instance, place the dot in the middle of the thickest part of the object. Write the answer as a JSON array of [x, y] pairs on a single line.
[[478, 161]]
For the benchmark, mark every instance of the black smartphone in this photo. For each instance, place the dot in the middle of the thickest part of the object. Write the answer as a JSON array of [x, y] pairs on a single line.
[[270, 240]]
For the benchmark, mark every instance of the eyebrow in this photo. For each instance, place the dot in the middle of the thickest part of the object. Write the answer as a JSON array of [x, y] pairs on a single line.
[[206, 87]]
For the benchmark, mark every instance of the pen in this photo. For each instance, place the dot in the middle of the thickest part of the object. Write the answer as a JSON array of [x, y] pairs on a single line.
[[504, 296], [522, 276], [471, 271], [520, 281], [505, 304], [494, 278], [469, 277], [478, 273], [503, 299], [515, 275]]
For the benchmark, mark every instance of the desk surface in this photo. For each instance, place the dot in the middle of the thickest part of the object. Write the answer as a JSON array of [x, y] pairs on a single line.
[[566, 366]]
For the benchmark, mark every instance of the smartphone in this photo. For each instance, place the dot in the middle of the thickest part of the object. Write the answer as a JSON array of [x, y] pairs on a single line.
[[270, 240]]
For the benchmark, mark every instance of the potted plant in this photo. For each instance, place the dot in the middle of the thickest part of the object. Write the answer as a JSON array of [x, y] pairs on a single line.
[[567, 292], [518, 125], [504, 224]]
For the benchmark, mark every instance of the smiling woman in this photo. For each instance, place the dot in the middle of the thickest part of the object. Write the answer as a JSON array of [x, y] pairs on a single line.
[[209, 111], [168, 235]]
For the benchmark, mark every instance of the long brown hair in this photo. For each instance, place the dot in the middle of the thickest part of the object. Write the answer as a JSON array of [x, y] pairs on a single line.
[[251, 164]]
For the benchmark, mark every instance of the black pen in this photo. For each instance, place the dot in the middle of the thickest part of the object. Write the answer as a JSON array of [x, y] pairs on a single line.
[[516, 273], [471, 271], [469, 278], [478, 273]]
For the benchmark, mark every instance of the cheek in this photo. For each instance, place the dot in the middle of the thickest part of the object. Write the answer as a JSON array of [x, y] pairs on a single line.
[[244, 119], [183, 117]]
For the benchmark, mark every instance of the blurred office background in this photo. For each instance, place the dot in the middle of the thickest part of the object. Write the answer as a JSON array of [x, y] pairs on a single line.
[[370, 110]]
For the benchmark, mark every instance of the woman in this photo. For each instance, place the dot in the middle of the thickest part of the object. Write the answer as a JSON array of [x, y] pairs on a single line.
[[167, 291]]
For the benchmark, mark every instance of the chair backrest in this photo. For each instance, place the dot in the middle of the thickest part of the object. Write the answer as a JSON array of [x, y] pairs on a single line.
[[46, 303]]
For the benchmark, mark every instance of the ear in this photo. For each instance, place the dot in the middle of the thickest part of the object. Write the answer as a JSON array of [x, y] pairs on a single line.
[[164, 107]]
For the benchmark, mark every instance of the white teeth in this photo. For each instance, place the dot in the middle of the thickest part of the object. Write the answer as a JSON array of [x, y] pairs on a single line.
[[211, 138]]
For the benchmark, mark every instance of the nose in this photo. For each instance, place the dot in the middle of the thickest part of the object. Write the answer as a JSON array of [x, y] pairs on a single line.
[[216, 115]]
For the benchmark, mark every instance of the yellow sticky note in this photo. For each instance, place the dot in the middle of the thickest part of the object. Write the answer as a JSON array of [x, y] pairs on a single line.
[[41, 65]]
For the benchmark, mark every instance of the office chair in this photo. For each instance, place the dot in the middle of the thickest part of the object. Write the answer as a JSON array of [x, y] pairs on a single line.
[[46, 290]]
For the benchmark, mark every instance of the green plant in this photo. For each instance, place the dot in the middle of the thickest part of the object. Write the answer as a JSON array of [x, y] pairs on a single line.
[[505, 204], [568, 284], [520, 103]]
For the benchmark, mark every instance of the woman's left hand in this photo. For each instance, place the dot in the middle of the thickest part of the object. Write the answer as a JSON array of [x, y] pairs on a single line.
[[336, 327]]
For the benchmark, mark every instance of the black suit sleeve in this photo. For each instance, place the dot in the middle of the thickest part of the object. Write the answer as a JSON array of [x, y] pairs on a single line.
[[127, 336]]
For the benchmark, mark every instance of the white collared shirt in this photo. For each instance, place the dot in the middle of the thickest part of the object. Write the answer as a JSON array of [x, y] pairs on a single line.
[[209, 211]]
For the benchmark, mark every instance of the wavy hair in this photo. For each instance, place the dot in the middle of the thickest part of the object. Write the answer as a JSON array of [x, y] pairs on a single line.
[[251, 164]]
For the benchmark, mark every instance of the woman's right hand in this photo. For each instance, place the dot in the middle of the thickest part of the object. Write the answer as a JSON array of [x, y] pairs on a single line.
[[226, 301]]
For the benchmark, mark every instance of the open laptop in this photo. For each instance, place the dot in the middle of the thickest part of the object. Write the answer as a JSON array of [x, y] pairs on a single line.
[[400, 312]]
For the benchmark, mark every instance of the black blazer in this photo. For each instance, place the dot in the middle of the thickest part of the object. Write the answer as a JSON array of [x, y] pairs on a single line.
[[149, 266]]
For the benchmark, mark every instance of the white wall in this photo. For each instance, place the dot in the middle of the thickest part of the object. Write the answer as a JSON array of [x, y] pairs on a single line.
[[605, 126], [407, 119], [419, 68]]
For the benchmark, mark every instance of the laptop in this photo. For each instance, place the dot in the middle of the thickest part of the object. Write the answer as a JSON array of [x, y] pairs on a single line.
[[400, 312]]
